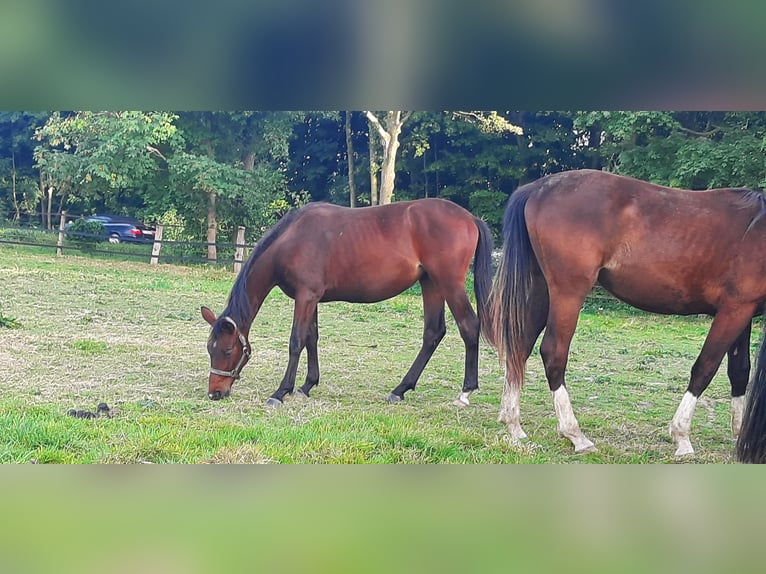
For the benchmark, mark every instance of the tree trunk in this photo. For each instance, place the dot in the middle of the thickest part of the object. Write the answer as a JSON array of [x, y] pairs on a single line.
[[16, 214], [212, 224], [48, 210], [373, 166], [64, 192], [594, 139], [388, 169], [389, 137], [42, 198], [212, 227], [350, 156], [248, 161]]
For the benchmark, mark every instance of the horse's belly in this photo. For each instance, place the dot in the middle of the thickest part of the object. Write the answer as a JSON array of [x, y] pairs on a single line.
[[371, 287], [655, 295], [364, 293]]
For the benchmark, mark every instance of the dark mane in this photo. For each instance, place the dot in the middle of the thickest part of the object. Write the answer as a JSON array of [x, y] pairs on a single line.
[[238, 306]]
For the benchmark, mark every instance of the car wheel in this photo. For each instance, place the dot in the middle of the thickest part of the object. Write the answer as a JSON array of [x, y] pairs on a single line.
[[114, 238]]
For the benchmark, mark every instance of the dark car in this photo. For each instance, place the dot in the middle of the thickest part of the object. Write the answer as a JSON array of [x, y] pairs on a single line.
[[121, 228]]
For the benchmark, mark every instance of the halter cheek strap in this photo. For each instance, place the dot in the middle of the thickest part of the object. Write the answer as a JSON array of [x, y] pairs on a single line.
[[234, 373]]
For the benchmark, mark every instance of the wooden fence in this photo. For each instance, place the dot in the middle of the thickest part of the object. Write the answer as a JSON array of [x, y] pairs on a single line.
[[61, 240], [239, 251]]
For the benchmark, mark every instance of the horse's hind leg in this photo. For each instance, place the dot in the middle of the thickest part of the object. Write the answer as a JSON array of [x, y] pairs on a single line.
[[738, 369], [468, 325], [554, 348], [312, 373], [510, 402], [434, 329], [303, 314]]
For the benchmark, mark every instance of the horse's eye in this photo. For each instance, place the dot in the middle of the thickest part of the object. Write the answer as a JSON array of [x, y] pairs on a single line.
[[228, 352]]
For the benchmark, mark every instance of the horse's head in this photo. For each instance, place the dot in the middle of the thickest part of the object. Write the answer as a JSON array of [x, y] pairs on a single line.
[[229, 351]]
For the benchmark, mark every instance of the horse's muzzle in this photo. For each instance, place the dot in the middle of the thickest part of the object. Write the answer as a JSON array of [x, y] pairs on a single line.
[[217, 395]]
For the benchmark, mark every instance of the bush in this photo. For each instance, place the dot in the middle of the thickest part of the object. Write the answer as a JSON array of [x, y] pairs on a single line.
[[81, 231], [26, 235]]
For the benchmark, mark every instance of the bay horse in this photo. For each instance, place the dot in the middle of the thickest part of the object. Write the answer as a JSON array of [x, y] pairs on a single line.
[[659, 249], [323, 252]]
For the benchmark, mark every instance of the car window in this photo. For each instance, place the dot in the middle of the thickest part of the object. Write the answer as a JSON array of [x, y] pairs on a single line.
[[116, 220]]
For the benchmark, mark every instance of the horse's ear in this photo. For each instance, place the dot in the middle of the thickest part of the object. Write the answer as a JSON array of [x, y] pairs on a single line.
[[207, 314]]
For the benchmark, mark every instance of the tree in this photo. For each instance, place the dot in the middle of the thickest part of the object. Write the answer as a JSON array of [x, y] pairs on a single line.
[[18, 177], [206, 180], [90, 155], [231, 169]]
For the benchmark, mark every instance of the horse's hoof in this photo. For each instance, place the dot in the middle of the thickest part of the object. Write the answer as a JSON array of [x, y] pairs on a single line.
[[272, 402], [683, 452], [301, 393], [392, 398], [460, 403]]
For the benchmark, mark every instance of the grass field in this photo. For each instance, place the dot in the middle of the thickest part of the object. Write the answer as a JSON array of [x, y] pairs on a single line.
[[80, 331]]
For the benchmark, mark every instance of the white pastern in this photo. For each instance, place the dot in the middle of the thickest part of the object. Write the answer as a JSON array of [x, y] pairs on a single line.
[[510, 411], [737, 411], [682, 424], [568, 425], [462, 399]]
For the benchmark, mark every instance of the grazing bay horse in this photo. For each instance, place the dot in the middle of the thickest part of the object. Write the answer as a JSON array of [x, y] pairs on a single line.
[[325, 252], [659, 249]]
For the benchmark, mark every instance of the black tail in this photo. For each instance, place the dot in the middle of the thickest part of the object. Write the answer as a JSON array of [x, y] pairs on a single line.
[[512, 287], [751, 444], [482, 271]]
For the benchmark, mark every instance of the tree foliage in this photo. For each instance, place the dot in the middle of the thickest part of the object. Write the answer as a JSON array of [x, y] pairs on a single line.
[[94, 156], [694, 150], [248, 167]]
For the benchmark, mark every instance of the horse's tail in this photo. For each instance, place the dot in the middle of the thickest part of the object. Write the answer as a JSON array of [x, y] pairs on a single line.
[[482, 271], [751, 444], [512, 288]]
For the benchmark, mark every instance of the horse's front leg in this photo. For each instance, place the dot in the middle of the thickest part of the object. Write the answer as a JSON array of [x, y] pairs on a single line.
[[312, 373], [303, 315]]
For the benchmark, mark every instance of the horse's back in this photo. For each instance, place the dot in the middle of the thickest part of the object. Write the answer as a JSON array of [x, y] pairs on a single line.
[[373, 253], [661, 249]]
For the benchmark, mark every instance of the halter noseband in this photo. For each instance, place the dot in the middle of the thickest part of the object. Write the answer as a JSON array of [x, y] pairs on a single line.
[[234, 373]]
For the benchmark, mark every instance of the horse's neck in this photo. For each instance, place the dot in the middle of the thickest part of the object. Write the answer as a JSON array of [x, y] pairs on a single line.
[[260, 282]]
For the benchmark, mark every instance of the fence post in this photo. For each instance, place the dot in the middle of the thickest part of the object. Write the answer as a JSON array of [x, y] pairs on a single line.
[[239, 252], [156, 246], [60, 241]]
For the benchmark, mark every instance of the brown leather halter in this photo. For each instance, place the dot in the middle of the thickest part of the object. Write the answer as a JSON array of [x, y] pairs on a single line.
[[234, 373]]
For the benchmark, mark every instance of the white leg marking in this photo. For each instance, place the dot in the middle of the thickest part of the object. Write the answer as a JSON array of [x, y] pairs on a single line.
[[462, 399], [568, 425], [682, 424], [737, 411], [510, 411]]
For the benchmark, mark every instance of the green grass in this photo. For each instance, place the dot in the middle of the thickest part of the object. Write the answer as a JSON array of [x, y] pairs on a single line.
[[8, 322], [131, 335]]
